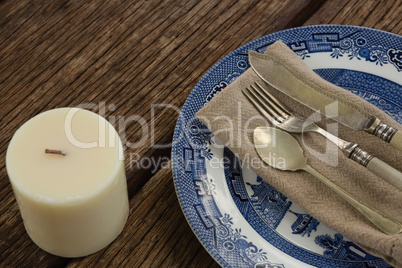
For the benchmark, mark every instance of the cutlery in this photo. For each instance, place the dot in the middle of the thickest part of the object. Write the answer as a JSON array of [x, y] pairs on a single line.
[[289, 156], [289, 76], [284, 118]]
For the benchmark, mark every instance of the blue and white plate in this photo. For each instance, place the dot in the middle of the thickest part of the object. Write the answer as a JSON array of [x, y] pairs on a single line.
[[241, 220]]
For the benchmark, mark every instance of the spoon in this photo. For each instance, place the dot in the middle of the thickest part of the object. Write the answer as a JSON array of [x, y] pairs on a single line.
[[280, 150]]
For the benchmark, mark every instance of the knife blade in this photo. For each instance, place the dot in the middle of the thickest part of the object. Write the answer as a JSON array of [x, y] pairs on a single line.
[[283, 76]]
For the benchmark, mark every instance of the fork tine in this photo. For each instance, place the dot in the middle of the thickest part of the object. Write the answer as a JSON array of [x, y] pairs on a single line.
[[268, 104], [270, 107], [261, 107], [273, 102]]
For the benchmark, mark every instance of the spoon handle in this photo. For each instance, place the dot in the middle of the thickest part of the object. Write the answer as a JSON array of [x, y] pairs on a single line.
[[386, 224]]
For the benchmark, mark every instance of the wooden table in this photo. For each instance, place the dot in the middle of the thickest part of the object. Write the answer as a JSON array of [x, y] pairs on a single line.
[[125, 56]]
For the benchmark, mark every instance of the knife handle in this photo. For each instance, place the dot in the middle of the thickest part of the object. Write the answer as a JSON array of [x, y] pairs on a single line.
[[386, 133], [396, 140], [378, 167]]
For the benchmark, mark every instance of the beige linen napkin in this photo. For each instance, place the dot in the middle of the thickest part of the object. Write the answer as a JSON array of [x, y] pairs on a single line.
[[233, 118]]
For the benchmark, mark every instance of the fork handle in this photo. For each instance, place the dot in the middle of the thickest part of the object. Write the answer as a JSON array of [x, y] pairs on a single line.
[[384, 223], [386, 172], [376, 166]]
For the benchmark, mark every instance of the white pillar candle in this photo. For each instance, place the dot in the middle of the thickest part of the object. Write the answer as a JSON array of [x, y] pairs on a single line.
[[73, 200]]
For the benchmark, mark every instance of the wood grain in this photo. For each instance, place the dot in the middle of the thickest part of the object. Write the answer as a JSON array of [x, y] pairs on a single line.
[[153, 229], [120, 58], [382, 14]]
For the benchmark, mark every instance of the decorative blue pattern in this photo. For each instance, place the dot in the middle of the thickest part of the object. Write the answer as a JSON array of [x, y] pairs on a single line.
[[395, 57], [381, 92], [229, 242], [270, 204], [304, 224], [344, 250], [264, 208]]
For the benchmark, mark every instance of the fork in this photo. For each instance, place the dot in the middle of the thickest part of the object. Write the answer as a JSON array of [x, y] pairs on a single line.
[[285, 119]]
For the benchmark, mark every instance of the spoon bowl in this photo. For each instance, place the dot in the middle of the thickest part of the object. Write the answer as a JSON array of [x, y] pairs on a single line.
[[279, 149]]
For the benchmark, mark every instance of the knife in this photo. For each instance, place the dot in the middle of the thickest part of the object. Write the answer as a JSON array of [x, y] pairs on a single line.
[[285, 72]]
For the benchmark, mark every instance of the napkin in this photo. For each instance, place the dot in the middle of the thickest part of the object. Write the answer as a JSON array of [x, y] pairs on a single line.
[[232, 118]]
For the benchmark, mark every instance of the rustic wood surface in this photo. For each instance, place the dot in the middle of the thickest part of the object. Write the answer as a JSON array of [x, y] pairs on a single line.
[[123, 57]]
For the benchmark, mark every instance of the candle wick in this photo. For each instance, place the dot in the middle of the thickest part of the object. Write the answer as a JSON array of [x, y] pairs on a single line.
[[50, 151]]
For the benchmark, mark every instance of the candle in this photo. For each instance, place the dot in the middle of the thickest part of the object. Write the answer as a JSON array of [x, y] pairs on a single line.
[[66, 169]]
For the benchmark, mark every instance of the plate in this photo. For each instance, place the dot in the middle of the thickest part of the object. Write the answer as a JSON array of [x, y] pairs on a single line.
[[241, 220]]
